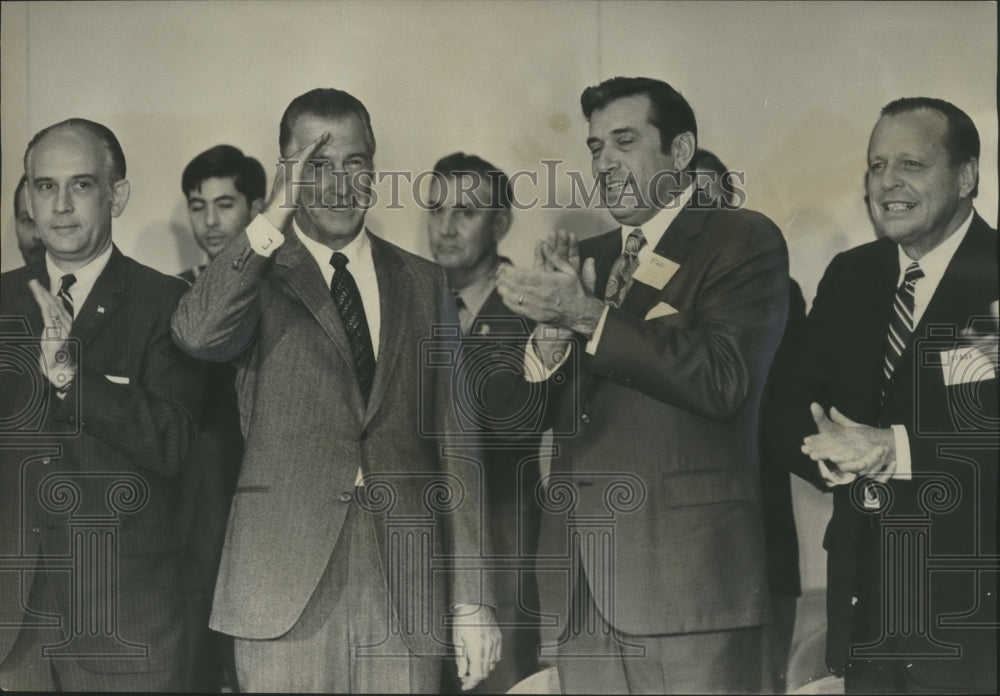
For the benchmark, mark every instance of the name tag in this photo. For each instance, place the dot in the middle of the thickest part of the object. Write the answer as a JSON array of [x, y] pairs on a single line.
[[656, 271], [967, 365]]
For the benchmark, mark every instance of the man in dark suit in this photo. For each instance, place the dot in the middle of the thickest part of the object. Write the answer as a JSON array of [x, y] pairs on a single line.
[[225, 190], [99, 416], [470, 212], [898, 411], [651, 554], [355, 524]]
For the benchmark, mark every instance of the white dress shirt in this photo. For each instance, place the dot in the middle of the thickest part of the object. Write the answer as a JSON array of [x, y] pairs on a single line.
[[85, 276]]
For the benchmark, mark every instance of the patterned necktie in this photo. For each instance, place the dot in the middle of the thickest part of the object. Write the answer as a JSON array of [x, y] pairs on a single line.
[[346, 296], [900, 323], [620, 279], [67, 300]]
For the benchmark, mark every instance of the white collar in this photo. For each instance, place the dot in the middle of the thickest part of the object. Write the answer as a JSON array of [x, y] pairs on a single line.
[[355, 250], [85, 275], [935, 262]]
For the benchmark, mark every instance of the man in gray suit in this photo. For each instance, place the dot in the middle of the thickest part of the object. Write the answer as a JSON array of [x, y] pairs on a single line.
[[354, 529]]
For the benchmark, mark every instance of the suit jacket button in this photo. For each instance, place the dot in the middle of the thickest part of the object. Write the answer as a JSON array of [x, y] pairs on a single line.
[[345, 497], [47, 461], [611, 373], [36, 530], [585, 417]]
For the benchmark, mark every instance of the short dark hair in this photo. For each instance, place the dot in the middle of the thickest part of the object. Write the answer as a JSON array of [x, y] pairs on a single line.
[[961, 139], [115, 158], [460, 163], [17, 192], [669, 111], [226, 161], [325, 102]]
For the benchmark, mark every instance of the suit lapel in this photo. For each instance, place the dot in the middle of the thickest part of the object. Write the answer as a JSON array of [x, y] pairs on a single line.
[[968, 268], [394, 292], [104, 300], [675, 243], [296, 266]]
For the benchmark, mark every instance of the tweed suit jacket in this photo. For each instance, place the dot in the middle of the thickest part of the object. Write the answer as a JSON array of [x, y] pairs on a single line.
[[308, 430]]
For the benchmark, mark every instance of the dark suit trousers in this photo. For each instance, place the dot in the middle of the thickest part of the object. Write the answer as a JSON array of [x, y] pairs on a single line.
[[342, 642], [595, 658]]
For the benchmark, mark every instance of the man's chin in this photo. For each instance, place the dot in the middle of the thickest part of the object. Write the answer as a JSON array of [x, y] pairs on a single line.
[[630, 216]]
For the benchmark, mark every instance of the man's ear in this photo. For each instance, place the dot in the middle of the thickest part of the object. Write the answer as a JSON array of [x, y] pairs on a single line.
[[120, 191], [256, 206], [682, 149], [502, 220], [968, 175]]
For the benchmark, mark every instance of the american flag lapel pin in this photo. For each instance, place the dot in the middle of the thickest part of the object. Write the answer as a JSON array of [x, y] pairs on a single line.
[[100, 309]]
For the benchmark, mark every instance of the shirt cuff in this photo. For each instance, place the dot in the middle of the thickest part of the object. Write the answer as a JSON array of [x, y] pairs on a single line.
[[534, 368], [595, 339], [904, 467], [263, 236]]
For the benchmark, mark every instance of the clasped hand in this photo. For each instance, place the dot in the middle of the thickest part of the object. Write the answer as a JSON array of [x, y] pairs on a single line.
[[55, 361], [556, 291], [853, 449]]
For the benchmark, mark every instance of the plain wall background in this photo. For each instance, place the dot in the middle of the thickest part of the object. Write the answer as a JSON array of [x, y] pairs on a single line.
[[788, 92]]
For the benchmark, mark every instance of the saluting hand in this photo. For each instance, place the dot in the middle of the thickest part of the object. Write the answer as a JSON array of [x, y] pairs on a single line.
[[286, 191]]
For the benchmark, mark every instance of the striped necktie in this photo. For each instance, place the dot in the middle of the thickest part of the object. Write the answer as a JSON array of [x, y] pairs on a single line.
[[620, 279], [65, 284], [900, 323], [347, 297]]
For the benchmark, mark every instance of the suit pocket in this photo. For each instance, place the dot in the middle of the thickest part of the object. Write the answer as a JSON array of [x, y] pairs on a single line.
[[707, 487]]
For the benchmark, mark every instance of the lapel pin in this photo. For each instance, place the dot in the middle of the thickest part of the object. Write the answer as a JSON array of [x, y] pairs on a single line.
[[100, 309]]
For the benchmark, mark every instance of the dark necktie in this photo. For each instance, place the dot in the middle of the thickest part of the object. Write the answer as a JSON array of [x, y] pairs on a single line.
[[620, 279], [346, 296], [463, 311], [67, 300], [900, 323]]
